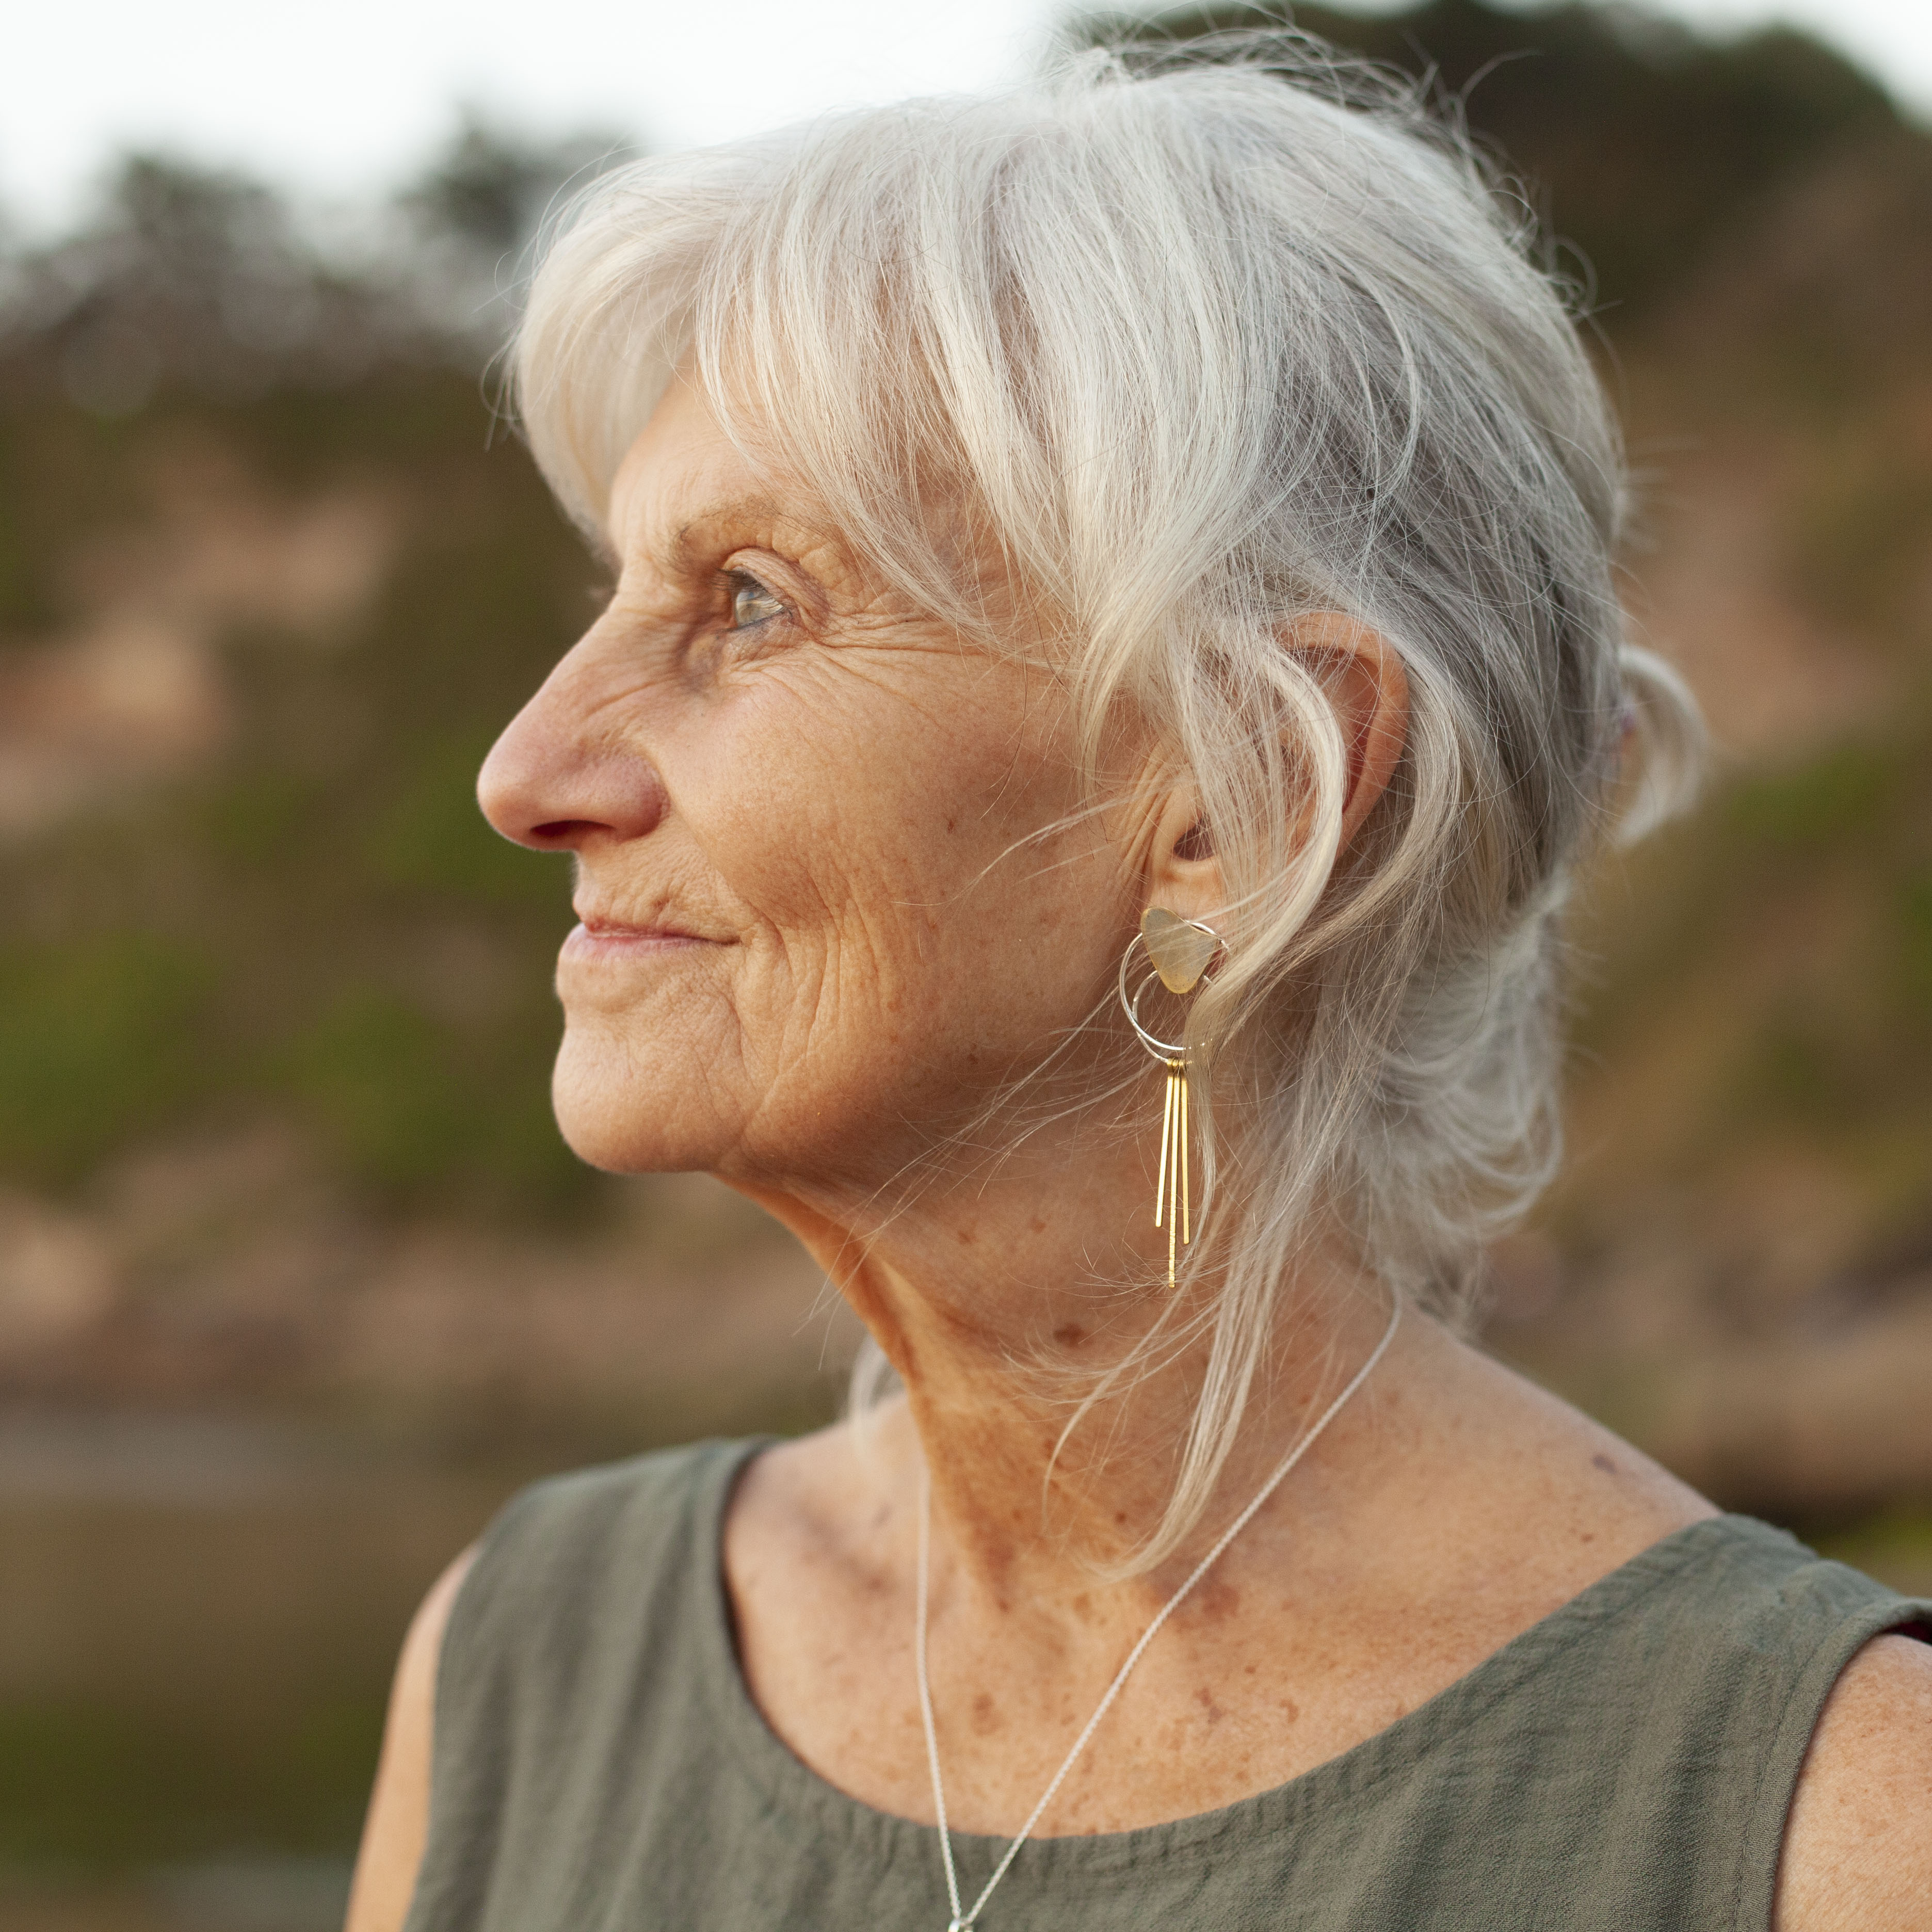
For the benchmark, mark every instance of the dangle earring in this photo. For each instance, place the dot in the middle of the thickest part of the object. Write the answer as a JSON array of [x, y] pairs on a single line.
[[1179, 951]]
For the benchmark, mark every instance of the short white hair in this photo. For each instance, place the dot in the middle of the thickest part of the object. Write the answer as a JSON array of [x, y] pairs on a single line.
[[1209, 340]]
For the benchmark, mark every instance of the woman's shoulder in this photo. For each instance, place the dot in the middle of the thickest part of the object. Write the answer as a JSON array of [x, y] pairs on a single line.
[[1723, 1656], [583, 1581], [1857, 1849], [1540, 1519]]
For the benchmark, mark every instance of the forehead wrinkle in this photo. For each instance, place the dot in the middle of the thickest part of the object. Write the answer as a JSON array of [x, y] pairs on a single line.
[[685, 550], [636, 531]]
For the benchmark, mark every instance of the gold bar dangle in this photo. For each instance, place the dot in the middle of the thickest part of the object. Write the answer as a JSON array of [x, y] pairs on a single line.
[[1176, 1077], [1171, 1193], [1180, 951], [1166, 1141]]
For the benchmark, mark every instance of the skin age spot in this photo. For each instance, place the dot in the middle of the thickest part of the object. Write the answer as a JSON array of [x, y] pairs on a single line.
[[1603, 1462], [1205, 1698], [1215, 1602], [985, 1716], [1071, 1335]]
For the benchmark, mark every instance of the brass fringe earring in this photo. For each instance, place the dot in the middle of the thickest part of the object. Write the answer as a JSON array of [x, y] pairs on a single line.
[[1179, 951]]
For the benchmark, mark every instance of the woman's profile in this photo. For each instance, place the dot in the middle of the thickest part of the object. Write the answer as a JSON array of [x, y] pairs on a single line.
[[1114, 675]]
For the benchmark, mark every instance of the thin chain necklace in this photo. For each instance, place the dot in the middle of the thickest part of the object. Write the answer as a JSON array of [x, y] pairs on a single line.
[[962, 1921]]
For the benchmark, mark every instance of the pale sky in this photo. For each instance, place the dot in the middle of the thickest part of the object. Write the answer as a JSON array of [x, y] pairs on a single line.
[[338, 102]]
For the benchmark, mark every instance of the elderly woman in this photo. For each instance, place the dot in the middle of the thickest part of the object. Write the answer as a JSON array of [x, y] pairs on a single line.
[[1113, 673]]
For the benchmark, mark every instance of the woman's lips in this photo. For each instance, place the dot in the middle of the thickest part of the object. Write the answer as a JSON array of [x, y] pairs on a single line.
[[606, 940]]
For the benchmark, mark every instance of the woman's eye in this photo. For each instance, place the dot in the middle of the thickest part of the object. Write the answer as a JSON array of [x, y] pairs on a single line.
[[751, 603]]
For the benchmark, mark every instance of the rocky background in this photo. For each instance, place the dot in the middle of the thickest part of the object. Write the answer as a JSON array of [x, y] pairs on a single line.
[[276, 1158]]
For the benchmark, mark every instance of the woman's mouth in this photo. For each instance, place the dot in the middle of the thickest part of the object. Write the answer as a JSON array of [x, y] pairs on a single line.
[[594, 940]]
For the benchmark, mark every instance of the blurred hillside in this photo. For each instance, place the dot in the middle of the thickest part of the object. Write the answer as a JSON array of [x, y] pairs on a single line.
[[275, 1016], [1736, 1269], [297, 1280], [296, 1277]]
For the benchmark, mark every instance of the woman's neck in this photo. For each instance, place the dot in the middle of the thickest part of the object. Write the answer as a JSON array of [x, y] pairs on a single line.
[[1003, 1316]]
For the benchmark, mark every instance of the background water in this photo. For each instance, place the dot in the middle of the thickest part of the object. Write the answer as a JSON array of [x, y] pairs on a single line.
[[198, 1618]]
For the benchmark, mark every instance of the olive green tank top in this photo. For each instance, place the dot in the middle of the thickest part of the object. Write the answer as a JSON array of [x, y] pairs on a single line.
[[1624, 1765]]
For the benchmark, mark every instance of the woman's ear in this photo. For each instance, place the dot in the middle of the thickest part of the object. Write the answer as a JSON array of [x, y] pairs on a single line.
[[1183, 870], [1363, 674]]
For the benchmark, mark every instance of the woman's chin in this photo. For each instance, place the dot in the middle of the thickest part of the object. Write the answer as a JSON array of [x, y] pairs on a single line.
[[612, 1119]]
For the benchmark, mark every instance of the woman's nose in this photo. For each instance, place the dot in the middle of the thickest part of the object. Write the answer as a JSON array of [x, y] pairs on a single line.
[[553, 784]]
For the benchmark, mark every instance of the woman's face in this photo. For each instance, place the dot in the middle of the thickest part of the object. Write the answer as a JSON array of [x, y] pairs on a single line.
[[820, 924]]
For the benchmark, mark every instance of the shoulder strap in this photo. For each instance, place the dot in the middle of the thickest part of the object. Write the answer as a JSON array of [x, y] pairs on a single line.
[[575, 1637], [1795, 1621], [1699, 1696], [1625, 1765]]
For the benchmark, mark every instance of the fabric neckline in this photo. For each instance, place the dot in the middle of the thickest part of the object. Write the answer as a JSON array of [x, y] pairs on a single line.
[[792, 1786]]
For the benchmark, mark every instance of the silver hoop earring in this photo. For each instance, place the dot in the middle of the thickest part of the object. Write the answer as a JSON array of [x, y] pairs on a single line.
[[1178, 953]]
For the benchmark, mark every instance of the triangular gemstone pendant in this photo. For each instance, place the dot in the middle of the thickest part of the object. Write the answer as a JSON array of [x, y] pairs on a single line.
[[1180, 951]]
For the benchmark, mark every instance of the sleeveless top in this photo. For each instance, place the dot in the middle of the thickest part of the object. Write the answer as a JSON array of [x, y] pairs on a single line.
[[1624, 1765]]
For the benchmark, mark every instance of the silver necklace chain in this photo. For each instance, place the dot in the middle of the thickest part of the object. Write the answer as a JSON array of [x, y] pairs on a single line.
[[964, 1921]]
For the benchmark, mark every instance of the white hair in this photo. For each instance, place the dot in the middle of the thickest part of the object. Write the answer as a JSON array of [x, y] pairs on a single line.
[[1208, 341]]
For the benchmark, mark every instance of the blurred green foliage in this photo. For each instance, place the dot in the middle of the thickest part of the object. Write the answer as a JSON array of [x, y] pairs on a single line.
[[1895, 1545], [1846, 795], [1914, 933], [1804, 893], [385, 1081], [99, 1040], [409, 1105], [432, 835], [1642, 143], [317, 920], [99, 1785]]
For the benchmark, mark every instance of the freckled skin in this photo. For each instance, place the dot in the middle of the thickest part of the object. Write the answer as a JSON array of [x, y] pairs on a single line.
[[770, 787], [894, 904], [853, 806]]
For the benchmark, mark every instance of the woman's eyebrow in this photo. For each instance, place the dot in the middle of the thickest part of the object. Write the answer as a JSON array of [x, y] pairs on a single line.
[[688, 548]]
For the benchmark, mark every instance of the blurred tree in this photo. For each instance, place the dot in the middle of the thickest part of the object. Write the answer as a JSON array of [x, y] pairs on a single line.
[[194, 278], [202, 279], [491, 188], [1642, 141], [476, 211]]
